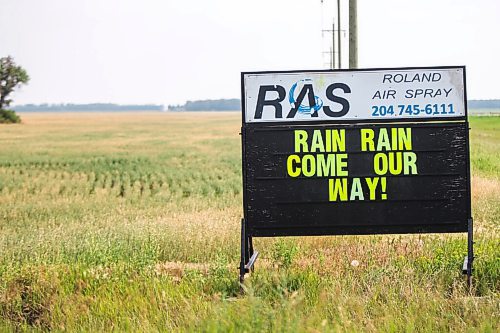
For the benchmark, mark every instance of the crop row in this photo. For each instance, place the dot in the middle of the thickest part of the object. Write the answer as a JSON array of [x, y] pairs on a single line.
[[117, 183]]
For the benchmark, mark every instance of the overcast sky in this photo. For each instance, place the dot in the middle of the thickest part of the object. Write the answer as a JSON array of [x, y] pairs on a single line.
[[165, 51]]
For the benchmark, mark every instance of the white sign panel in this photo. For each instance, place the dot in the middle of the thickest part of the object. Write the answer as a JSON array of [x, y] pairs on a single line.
[[380, 94]]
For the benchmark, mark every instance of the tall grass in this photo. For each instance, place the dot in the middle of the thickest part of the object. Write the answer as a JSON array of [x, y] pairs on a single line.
[[130, 222]]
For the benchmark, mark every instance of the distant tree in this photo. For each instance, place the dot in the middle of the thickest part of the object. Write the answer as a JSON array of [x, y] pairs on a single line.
[[11, 77], [209, 105]]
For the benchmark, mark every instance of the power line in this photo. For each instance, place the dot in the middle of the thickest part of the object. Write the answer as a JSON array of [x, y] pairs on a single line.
[[353, 36]]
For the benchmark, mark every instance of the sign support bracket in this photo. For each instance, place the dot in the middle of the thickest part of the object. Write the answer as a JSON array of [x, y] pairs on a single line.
[[469, 259], [248, 255]]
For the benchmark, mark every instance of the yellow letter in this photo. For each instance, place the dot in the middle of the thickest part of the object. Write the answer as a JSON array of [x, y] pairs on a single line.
[[293, 172], [341, 165], [301, 140], [308, 165], [367, 136], [394, 138], [383, 142], [404, 138], [325, 167], [395, 163], [380, 163], [338, 140], [356, 190], [328, 141], [337, 188], [410, 162], [372, 186], [317, 142]]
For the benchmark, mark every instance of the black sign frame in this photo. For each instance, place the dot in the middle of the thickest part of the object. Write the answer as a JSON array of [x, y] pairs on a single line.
[[249, 228]]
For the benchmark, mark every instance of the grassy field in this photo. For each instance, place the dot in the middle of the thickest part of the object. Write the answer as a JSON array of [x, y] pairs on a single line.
[[130, 222]]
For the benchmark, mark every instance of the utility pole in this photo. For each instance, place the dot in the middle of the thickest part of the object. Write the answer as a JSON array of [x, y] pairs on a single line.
[[353, 34], [332, 64], [333, 46], [332, 49], [339, 27]]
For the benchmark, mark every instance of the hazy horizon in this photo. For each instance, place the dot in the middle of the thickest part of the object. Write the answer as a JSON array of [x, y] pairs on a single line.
[[165, 105]]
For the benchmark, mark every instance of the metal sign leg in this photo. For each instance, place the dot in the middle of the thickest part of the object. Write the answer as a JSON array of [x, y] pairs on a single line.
[[243, 251], [469, 259], [248, 255]]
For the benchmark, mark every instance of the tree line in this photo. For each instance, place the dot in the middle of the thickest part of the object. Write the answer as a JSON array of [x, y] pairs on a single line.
[[484, 104], [87, 107], [233, 104]]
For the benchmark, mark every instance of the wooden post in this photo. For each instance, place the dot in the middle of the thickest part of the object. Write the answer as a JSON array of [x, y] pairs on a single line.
[[353, 34]]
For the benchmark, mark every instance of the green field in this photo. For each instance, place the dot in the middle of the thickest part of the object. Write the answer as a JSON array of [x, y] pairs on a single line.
[[130, 222]]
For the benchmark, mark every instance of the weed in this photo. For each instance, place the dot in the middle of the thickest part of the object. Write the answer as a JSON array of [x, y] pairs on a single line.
[[284, 252]]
